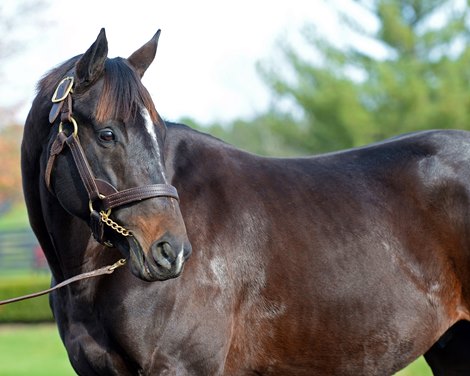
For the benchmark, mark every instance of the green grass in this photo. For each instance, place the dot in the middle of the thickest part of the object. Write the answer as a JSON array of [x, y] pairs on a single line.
[[418, 368], [36, 350], [32, 350]]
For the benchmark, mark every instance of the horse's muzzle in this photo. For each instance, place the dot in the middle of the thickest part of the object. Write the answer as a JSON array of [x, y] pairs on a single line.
[[165, 259]]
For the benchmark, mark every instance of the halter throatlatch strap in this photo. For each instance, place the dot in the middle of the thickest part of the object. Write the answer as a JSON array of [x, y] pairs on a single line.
[[56, 149], [100, 193]]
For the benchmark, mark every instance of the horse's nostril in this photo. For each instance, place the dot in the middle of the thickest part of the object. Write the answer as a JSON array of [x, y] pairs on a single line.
[[162, 254], [168, 252], [166, 256]]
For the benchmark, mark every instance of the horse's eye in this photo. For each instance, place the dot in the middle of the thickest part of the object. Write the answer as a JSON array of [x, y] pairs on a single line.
[[107, 135]]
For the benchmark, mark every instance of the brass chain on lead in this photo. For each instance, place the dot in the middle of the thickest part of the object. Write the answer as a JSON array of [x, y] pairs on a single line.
[[104, 216], [115, 226]]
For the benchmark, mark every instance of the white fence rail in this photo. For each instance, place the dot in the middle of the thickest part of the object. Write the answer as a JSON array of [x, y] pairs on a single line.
[[19, 249]]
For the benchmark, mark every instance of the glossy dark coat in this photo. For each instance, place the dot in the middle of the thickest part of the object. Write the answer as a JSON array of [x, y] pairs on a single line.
[[349, 263]]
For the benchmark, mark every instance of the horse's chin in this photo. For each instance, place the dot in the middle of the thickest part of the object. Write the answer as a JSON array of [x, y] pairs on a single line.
[[141, 265]]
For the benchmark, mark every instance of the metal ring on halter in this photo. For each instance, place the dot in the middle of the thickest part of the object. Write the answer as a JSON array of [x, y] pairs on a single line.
[[90, 205], [75, 126]]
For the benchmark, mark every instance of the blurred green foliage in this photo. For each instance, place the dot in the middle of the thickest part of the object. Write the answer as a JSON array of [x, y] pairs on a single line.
[[412, 75], [16, 217], [10, 176], [28, 311]]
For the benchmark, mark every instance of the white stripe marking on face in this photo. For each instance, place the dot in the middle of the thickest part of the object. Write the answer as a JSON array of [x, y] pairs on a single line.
[[149, 124], [150, 127]]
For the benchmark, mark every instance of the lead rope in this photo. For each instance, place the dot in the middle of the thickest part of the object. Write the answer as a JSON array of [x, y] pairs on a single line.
[[95, 273]]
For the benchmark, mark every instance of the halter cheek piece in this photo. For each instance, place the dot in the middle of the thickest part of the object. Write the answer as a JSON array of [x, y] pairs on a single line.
[[100, 193]]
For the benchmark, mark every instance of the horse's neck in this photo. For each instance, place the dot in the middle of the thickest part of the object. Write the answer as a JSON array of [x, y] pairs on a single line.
[[34, 145], [191, 156], [217, 208]]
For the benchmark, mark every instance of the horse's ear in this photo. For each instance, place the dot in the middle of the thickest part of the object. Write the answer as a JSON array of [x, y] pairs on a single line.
[[143, 57], [91, 65]]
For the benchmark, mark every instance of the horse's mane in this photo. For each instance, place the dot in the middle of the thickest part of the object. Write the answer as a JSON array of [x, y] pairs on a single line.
[[123, 93], [51, 79]]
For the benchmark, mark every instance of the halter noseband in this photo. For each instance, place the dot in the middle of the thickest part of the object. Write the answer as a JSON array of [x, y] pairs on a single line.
[[99, 191]]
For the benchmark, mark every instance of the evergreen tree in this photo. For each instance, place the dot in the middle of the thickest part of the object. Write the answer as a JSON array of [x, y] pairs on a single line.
[[351, 96]]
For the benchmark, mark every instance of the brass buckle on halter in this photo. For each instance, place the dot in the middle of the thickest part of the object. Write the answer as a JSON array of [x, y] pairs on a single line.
[[62, 90]]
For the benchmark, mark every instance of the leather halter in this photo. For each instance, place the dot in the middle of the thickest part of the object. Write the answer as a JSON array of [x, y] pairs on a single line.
[[100, 193]]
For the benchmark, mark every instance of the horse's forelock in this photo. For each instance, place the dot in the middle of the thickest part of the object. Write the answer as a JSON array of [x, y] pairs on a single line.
[[123, 94]]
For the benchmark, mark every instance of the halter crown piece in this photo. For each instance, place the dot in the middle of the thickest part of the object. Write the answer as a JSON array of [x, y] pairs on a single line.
[[100, 192]]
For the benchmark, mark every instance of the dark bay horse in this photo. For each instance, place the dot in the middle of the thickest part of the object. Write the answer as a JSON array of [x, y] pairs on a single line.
[[349, 263]]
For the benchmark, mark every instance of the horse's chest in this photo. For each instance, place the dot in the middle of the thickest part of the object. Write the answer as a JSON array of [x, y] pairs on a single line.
[[171, 350]]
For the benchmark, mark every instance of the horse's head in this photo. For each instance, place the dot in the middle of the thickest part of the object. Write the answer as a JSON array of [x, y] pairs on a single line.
[[107, 164]]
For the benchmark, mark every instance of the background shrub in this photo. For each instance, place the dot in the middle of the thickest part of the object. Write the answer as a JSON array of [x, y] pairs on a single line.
[[28, 311]]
